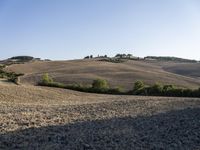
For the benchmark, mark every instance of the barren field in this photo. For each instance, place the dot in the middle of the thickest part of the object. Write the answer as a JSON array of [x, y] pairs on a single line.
[[33, 117], [117, 74], [49, 118], [186, 69]]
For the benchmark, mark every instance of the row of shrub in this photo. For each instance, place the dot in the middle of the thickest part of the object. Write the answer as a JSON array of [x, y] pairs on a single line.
[[163, 90], [98, 86], [113, 60], [102, 86]]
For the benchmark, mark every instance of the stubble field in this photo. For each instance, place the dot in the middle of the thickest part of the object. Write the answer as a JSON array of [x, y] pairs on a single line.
[[33, 117]]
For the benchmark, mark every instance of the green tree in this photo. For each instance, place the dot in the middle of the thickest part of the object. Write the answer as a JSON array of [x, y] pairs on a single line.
[[139, 88], [138, 85], [156, 89], [100, 84], [46, 79], [129, 55]]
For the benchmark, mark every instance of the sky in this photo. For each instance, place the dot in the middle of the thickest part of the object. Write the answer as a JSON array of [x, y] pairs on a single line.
[[72, 29]]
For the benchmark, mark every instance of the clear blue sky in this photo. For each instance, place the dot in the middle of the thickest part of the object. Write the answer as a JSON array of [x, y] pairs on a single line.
[[68, 29]]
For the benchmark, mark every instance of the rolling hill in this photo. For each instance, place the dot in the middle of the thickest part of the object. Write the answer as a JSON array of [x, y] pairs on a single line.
[[34, 117], [117, 74], [186, 69]]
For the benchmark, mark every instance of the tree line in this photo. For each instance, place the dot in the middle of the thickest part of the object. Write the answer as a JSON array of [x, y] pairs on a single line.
[[139, 88]]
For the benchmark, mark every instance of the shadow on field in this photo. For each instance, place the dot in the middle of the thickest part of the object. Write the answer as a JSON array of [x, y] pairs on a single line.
[[178, 129]]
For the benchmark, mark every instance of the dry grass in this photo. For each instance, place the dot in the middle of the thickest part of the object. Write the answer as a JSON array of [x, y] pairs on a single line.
[[84, 71], [186, 69]]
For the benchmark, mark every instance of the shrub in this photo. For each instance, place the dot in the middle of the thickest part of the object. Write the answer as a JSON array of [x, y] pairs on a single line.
[[77, 87], [139, 88], [196, 93], [168, 90], [112, 60], [156, 89], [188, 93], [56, 84], [116, 90], [100, 85], [138, 85], [46, 79], [87, 57], [168, 87]]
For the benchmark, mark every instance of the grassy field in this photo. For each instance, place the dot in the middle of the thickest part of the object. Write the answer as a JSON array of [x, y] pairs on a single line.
[[33, 117]]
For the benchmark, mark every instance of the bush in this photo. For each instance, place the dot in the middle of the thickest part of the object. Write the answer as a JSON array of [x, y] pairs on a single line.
[[168, 88], [196, 92], [46, 79], [139, 88], [188, 93], [138, 85], [156, 89], [56, 84], [100, 85], [116, 90]]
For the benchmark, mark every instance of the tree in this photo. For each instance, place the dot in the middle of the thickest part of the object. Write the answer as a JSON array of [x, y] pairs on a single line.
[[100, 84], [86, 57], [118, 55], [129, 55], [123, 55], [46, 79], [139, 88], [156, 89], [138, 85]]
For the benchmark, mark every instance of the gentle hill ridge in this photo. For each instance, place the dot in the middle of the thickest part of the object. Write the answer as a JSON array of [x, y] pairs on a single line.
[[117, 74]]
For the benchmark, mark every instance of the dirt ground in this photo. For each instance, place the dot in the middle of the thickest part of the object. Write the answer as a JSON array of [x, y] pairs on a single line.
[[49, 118]]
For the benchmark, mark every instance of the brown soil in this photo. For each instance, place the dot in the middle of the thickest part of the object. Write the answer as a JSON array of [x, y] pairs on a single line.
[[33, 117], [49, 118]]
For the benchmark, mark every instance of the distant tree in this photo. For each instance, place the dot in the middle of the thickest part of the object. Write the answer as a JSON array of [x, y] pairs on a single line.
[[46, 79], [119, 55], [22, 58], [86, 57], [167, 88], [156, 89], [139, 88], [100, 84], [138, 85], [129, 55], [91, 56], [123, 55]]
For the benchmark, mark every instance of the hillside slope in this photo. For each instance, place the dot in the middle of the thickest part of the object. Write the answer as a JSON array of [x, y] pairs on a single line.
[[48, 118], [117, 74], [186, 69]]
